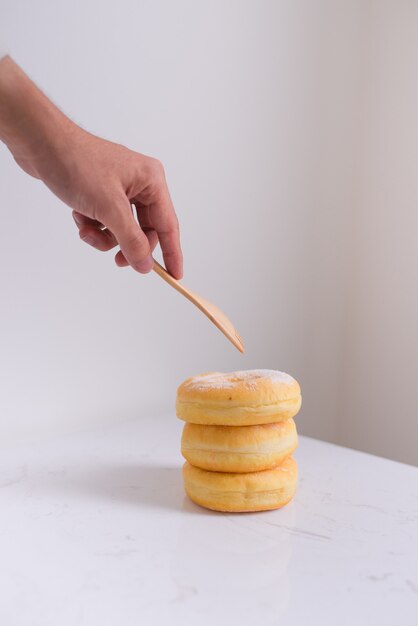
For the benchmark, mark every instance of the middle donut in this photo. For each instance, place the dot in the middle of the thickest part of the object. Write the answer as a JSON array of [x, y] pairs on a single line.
[[238, 448]]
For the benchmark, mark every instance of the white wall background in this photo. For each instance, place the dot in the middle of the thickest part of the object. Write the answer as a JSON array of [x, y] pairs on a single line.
[[288, 130], [378, 405]]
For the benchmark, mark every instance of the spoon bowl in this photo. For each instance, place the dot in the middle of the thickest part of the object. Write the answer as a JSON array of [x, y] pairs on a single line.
[[211, 311]]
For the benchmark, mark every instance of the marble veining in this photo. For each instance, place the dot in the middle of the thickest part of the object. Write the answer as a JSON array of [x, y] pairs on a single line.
[[95, 529]]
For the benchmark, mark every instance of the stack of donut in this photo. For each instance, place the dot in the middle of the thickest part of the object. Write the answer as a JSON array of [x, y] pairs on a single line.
[[238, 439]]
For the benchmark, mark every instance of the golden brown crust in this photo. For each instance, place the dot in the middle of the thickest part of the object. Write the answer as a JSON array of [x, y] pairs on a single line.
[[254, 491], [238, 398], [238, 448]]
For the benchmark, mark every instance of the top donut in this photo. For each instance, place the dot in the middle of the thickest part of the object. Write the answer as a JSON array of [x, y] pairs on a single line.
[[238, 398]]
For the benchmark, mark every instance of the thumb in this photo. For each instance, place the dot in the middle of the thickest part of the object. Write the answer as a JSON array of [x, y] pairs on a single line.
[[132, 240]]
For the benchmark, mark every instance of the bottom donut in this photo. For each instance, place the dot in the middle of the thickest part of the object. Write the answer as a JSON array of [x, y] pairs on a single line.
[[240, 493]]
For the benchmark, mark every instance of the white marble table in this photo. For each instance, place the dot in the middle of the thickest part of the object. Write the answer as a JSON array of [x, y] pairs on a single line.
[[95, 531]]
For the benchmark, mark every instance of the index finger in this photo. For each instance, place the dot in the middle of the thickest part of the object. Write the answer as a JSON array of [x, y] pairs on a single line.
[[163, 218]]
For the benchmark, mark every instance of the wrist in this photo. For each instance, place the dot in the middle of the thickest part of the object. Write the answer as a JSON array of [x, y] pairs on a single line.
[[31, 126]]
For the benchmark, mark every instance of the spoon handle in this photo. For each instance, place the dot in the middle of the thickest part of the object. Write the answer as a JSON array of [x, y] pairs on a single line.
[[161, 271]]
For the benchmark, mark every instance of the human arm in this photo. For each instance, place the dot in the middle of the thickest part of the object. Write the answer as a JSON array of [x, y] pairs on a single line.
[[98, 179]]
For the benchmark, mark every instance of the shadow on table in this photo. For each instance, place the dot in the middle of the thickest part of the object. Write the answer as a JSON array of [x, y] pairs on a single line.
[[146, 486]]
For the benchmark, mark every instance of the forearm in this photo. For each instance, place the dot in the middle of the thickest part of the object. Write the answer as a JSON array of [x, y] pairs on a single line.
[[98, 179], [29, 122]]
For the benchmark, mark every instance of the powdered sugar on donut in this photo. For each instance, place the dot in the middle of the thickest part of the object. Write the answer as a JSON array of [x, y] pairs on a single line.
[[218, 380]]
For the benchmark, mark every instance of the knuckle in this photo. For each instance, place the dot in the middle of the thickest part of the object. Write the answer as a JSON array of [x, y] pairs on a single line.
[[157, 165], [155, 171], [136, 243]]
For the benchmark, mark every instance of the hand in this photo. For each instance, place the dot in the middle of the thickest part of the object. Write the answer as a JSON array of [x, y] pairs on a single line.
[[98, 179], [101, 181]]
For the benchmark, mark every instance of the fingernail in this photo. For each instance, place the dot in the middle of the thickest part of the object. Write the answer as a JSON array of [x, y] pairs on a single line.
[[144, 266], [77, 219]]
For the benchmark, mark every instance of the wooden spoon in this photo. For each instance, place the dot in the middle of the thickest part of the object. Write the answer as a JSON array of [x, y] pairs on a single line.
[[210, 310]]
